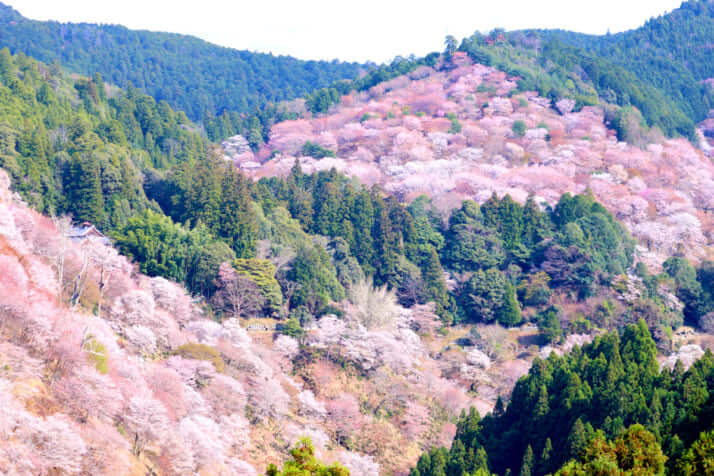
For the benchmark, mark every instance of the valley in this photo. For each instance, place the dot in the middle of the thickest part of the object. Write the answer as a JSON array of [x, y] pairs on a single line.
[[497, 259]]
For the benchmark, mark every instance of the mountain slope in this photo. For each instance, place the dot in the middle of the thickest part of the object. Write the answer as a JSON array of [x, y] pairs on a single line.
[[135, 377], [190, 74], [465, 133], [62, 136], [613, 385], [672, 52]]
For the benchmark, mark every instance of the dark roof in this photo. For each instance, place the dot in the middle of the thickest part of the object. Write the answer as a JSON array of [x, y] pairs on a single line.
[[86, 230]]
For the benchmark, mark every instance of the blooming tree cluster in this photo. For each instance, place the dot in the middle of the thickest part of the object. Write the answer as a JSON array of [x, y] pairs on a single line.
[[451, 133]]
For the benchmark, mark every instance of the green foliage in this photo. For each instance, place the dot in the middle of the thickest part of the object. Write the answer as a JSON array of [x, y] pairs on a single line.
[[459, 460], [687, 287], [592, 70], [519, 128], [97, 353], [669, 53], [549, 325], [83, 188], [455, 127], [606, 407], [204, 266], [163, 248], [589, 244], [630, 126], [194, 350], [469, 244], [316, 151], [190, 74], [633, 453], [262, 273], [699, 458], [293, 328], [212, 193], [489, 296], [67, 154], [527, 465], [534, 290], [304, 463], [576, 247], [316, 279]]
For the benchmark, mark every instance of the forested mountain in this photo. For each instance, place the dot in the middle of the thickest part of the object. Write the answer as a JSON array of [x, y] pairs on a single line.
[[363, 275], [672, 52], [659, 68], [192, 75], [77, 146]]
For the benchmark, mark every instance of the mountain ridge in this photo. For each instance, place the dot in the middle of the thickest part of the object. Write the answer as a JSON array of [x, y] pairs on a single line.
[[221, 78]]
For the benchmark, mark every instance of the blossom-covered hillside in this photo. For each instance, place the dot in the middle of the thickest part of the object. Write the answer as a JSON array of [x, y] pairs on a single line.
[[106, 371], [463, 133]]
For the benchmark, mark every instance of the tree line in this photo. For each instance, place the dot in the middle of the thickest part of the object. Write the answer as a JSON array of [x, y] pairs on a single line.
[[605, 408]]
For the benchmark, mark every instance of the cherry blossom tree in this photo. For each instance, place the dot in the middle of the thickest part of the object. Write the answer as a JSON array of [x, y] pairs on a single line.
[[235, 431], [194, 373], [167, 387], [203, 436], [60, 447], [177, 456], [345, 417], [267, 398], [237, 294], [64, 352], [310, 406], [87, 394], [287, 346], [147, 420], [363, 465], [225, 395]]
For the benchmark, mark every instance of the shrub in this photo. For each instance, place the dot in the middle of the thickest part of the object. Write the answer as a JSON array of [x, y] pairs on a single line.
[[97, 353], [292, 328], [304, 462], [194, 350], [580, 325], [549, 325], [303, 316], [316, 151], [455, 124], [519, 128], [535, 291]]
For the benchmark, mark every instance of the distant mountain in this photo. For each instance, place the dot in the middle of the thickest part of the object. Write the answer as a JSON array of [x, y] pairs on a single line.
[[190, 74], [660, 68], [674, 52]]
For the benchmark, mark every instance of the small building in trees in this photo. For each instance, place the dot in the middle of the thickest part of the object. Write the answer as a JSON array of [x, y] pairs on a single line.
[[86, 230]]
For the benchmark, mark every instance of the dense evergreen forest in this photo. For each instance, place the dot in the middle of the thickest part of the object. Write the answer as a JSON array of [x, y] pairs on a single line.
[[79, 147], [673, 52], [605, 408], [192, 75]]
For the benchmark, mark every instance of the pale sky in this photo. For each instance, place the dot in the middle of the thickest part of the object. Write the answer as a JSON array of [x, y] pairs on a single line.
[[374, 30]]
